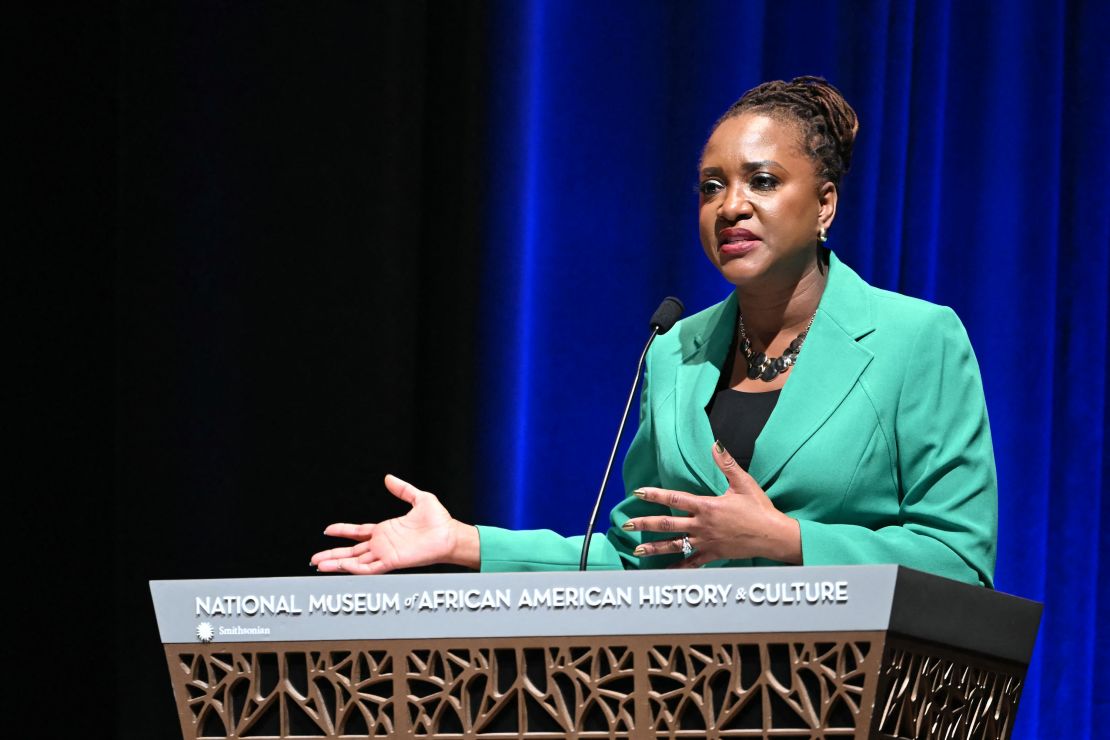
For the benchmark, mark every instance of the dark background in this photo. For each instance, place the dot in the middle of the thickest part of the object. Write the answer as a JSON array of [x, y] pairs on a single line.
[[296, 269], [245, 215]]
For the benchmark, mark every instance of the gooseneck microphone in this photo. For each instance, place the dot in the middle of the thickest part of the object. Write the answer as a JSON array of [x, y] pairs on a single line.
[[669, 311]]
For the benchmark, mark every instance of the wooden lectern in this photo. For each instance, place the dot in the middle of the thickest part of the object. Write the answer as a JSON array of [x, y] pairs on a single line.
[[794, 652]]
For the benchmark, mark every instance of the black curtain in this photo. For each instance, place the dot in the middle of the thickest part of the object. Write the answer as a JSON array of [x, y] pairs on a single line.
[[296, 286]]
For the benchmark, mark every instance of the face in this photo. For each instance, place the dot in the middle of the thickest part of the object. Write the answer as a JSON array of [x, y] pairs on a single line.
[[761, 203]]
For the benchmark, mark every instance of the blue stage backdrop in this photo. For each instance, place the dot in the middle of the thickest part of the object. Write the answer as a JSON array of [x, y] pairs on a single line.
[[980, 181]]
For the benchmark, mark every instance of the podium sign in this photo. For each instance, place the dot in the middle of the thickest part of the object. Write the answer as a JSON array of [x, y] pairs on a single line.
[[851, 651]]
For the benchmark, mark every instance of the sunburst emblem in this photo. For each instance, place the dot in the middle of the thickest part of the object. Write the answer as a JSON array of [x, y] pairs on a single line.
[[205, 633]]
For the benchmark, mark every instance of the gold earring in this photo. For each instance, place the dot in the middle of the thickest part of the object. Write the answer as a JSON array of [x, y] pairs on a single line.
[[823, 235]]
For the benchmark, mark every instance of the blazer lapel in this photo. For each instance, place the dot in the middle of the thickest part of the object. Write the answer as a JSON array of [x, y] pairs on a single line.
[[830, 363], [695, 382]]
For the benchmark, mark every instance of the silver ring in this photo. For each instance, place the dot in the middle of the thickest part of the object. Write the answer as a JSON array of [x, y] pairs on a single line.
[[687, 548]]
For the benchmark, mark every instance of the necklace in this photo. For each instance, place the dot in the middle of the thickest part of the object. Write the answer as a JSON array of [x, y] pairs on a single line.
[[768, 368]]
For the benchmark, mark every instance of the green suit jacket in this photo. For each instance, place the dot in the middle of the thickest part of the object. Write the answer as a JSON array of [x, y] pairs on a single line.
[[879, 444]]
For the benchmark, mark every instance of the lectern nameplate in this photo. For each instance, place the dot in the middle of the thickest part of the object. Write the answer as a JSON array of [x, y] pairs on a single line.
[[526, 604]]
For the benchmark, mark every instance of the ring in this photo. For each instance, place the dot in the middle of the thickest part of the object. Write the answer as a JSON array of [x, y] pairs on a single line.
[[687, 548]]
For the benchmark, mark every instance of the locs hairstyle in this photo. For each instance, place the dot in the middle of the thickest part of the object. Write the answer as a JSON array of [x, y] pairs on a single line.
[[828, 124]]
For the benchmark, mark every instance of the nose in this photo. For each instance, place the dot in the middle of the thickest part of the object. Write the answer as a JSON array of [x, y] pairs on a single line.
[[735, 205]]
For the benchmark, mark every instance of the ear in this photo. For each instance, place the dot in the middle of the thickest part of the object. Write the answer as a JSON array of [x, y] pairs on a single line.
[[826, 204]]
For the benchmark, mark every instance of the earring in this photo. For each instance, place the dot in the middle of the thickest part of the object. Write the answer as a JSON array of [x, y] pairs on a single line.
[[823, 235]]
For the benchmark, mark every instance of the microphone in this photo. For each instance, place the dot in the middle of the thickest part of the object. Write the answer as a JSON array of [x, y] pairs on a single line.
[[669, 311]]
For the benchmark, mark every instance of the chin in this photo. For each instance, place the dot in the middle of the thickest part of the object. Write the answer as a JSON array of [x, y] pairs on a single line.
[[740, 271]]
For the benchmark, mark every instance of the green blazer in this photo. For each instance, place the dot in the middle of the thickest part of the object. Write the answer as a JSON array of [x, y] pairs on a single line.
[[879, 444]]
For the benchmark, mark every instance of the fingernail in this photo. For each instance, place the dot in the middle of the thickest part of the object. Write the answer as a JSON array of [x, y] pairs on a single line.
[[640, 551], [629, 526], [719, 447], [640, 493]]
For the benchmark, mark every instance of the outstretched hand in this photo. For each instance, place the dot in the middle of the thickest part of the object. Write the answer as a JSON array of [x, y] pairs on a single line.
[[426, 535], [740, 523]]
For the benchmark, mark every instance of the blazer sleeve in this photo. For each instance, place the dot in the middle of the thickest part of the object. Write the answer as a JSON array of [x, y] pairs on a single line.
[[948, 509], [542, 549]]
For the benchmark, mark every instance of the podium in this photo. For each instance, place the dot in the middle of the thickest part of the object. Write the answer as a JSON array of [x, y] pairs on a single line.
[[877, 651]]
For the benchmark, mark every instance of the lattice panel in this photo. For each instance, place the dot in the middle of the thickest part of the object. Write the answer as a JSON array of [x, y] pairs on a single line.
[[617, 688], [544, 691], [270, 694], [933, 698], [738, 690]]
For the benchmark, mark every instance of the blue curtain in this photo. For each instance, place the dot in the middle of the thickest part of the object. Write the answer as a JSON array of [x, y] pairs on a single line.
[[980, 181]]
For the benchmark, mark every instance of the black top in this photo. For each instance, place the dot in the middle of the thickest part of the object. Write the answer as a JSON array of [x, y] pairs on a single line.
[[737, 417]]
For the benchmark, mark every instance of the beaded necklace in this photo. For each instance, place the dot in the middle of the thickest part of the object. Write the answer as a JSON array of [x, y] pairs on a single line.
[[768, 368]]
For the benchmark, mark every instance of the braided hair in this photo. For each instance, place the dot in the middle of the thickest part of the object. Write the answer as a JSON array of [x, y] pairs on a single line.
[[828, 124]]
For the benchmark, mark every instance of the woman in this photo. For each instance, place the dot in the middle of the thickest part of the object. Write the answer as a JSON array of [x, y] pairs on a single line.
[[855, 416]]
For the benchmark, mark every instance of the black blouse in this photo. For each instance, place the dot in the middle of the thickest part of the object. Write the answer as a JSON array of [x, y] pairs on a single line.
[[737, 417]]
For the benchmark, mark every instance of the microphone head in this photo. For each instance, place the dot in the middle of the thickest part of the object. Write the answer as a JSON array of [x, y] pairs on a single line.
[[669, 311]]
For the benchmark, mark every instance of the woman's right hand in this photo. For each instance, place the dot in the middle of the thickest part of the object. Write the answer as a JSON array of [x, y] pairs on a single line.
[[426, 535]]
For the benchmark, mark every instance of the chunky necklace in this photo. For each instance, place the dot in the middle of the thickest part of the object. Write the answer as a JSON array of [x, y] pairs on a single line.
[[768, 368]]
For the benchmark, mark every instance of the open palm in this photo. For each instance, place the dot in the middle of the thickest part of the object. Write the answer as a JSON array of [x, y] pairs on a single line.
[[423, 536]]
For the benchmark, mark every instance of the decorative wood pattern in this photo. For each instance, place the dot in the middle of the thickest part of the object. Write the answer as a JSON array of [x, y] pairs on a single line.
[[557, 692], [632, 687], [942, 697], [341, 693], [745, 690]]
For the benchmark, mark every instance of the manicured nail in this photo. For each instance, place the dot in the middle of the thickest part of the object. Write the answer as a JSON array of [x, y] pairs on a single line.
[[719, 447], [640, 493], [640, 551], [629, 526]]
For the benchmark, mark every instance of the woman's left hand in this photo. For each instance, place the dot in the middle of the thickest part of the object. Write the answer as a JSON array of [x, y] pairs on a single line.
[[740, 523]]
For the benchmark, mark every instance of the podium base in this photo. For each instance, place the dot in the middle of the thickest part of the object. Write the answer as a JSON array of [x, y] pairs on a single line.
[[798, 685]]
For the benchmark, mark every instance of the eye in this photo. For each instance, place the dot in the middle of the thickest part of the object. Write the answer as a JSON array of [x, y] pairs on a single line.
[[710, 187], [764, 181]]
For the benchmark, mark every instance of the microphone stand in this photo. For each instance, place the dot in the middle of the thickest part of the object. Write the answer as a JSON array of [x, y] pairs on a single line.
[[613, 453]]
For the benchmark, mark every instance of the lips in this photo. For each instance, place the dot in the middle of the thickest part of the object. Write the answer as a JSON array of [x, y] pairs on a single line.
[[736, 241]]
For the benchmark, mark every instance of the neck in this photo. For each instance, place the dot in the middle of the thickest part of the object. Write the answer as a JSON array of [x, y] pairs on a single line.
[[787, 307]]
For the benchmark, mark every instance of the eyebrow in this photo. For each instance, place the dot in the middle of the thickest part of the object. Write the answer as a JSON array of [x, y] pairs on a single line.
[[747, 167]]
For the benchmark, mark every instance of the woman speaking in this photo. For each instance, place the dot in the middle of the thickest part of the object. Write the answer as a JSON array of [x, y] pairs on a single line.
[[808, 418]]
